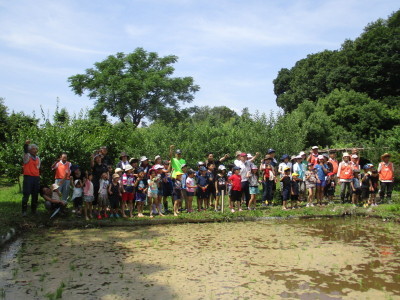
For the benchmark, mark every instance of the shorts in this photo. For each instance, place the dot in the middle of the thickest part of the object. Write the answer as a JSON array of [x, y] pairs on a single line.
[[322, 183], [310, 186], [202, 194], [331, 191], [140, 197], [88, 199], [365, 193], [254, 190], [286, 194], [114, 202], [78, 201], [294, 197], [357, 191], [189, 194], [167, 192], [177, 197], [151, 194], [127, 196], [236, 195], [103, 200]]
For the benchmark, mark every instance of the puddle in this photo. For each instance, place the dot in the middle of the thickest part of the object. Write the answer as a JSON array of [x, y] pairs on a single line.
[[292, 259]]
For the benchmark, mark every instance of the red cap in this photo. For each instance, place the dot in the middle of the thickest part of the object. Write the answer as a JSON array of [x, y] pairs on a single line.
[[243, 154]]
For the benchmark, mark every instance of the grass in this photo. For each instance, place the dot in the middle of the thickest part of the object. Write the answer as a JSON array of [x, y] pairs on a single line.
[[10, 213]]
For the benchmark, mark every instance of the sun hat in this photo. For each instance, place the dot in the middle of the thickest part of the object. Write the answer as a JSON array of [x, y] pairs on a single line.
[[178, 173], [243, 154], [158, 166], [345, 154], [284, 156], [249, 155], [299, 157], [202, 168], [123, 154], [367, 166], [237, 153], [54, 186], [302, 153], [140, 170], [76, 181], [295, 174], [183, 165], [200, 163], [221, 167], [118, 170], [286, 169], [157, 157], [254, 167], [354, 156], [115, 176], [133, 160], [270, 150], [128, 167], [293, 157], [385, 155], [314, 147], [178, 151], [143, 158], [321, 157]]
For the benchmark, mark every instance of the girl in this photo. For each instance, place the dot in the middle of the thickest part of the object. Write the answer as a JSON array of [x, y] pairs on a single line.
[[103, 196], [331, 184], [322, 170], [236, 192], [152, 193], [77, 196], [190, 189], [294, 190], [88, 197], [141, 189], [177, 193], [286, 187], [253, 184], [268, 179], [115, 192], [211, 191], [220, 185], [127, 196], [311, 181], [355, 187]]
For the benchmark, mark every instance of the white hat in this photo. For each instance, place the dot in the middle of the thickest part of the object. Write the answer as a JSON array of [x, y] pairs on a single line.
[[76, 181], [118, 170], [128, 167], [345, 154], [293, 157], [157, 156], [158, 166], [299, 156], [302, 153], [314, 147], [321, 157], [54, 186], [143, 158], [221, 167], [354, 156], [249, 155]]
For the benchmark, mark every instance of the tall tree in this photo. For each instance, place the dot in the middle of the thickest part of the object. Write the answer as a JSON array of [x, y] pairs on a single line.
[[135, 85]]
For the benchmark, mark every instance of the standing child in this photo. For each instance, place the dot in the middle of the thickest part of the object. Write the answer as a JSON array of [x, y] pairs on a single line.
[[103, 195], [77, 194], [177, 192], [355, 187], [295, 190], [115, 192], [211, 191], [253, 186], [331, 184], [190, 189], [374, 179], [141, 190], [365, 184], [236, 191], [220, 185], [202, 191], [152, 193], [311, 182], [322, 169], [88, 197], [286, 186], [127, 196]]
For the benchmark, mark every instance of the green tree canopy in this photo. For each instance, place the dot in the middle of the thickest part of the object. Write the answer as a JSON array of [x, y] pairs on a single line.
[[135, 85]]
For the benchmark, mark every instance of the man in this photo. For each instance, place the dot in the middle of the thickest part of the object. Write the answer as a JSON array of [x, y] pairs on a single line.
[[31, 171], [63, 172], [386, 177], [245, 167], [106, 159], [177, 161], [210, 160]]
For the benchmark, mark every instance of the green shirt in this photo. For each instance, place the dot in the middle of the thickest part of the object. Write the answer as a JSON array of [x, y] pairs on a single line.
[[176, 165]]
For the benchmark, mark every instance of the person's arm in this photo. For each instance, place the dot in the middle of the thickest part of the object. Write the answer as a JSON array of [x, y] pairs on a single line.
[[47, 198], [55, 165], [352, 185], [26, 152], [379, 168], [109, 189], [254, 157], [223, 158], [171, 150], [339, 169]]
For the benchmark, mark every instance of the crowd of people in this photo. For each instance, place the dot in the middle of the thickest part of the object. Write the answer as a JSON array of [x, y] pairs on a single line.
[[111, 190]]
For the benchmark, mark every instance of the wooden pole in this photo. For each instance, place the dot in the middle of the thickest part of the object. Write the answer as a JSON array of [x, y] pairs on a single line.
[[222, 200]]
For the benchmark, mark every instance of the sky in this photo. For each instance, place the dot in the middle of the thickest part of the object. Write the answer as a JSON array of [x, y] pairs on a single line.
[[233, 49]]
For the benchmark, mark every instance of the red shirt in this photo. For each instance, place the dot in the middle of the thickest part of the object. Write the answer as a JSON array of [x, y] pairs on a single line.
[[236, 182]]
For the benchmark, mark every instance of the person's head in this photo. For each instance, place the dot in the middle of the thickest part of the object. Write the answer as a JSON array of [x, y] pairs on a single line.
[[346, 157], [178, 175], [144, 161], [268, 159], [77, 173], [354, 151], [286, 171], [332, 154], [140, 173], [271, 152], [123, 157], [237, 154], [200, 164], [191, 173], [310, 167], [45, 191], [295, 176], [314, 149], [157, 160], [285, 158], [184, 168], [374, 172], [203, 170], [331, 175], [178, 153], [153, 173], [367, 168], [356, 172], [98, 158], [166, 164], [104, 175], [354, 158], [303, 155], [211, 167], [254, 169], [128, 169], [64, 157], [385, 157], [159, 169], [115, 177], [103, 150], [134, 162], [210, 156], [236, 170], [33, 149], [118, 171], [243, 157], [54, 188], [222, 169], [77, 183], [321, 159], [299, 159], [110, 169], [89, 176]]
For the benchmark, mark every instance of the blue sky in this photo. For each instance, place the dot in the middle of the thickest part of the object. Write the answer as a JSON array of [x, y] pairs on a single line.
[[233, 49]]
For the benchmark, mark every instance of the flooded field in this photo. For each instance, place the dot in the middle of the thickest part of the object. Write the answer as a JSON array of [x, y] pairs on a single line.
[[295, 259]]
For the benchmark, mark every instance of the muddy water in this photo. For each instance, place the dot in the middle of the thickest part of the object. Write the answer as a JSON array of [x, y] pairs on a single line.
[[308, 259]]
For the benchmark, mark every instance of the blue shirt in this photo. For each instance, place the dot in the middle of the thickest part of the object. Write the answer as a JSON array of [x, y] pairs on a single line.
[[202, 180], [320, 171]]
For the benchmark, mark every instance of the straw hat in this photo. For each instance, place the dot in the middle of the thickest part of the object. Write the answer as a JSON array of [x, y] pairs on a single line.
[[385, 155]]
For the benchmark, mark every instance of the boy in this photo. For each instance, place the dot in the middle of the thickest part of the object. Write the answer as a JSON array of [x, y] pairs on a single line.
[[294, 191], [236, 191], [386, 177], [331, 184], [177, 192], [141, 190], [286, 187], [355, 187], [202, 190]]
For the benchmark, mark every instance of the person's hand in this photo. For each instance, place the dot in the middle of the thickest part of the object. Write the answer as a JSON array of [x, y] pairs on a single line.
[[171, 147], [257, 153], [226, 155]]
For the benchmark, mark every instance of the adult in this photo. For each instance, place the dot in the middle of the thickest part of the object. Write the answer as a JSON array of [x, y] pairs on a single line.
[[177, 161], [50, 203], [62, 175], [268, 179], [313, 157], [31, 171], [345, 174], [335, 164], [123, 161], [361, 161], [386, 176], [245, 167], [98, 168], [211, 160], [104, 153], [271, 152], [354, 162]]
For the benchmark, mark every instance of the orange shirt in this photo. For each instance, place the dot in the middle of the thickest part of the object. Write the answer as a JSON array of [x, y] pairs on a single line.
[[62, 169], [386, 172], [346, 171], [335, 165], [31, 168]]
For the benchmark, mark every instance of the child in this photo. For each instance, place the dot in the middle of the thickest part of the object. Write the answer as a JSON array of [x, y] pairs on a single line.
[[152, 193], [331, 184], [365, 184], [268, 180], [88, 197], [374, 186], [322, 170], [202, 190], [141, 189], [183, 180], [127, 196], [190, 189], [115, 192], [77, 196], [220, 185], [236, 192], [211, 191], [355, 187], [253, 185], [286, 186], [177, 192], [386, 177], [311, 181], [295, 190], [103, 196], [166, 182]]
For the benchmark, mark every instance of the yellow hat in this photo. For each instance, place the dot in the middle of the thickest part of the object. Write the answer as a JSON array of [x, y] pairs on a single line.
[[295, 174], [178, 173]]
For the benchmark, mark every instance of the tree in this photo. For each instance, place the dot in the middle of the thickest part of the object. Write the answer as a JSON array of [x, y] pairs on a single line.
[[135, 85]]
